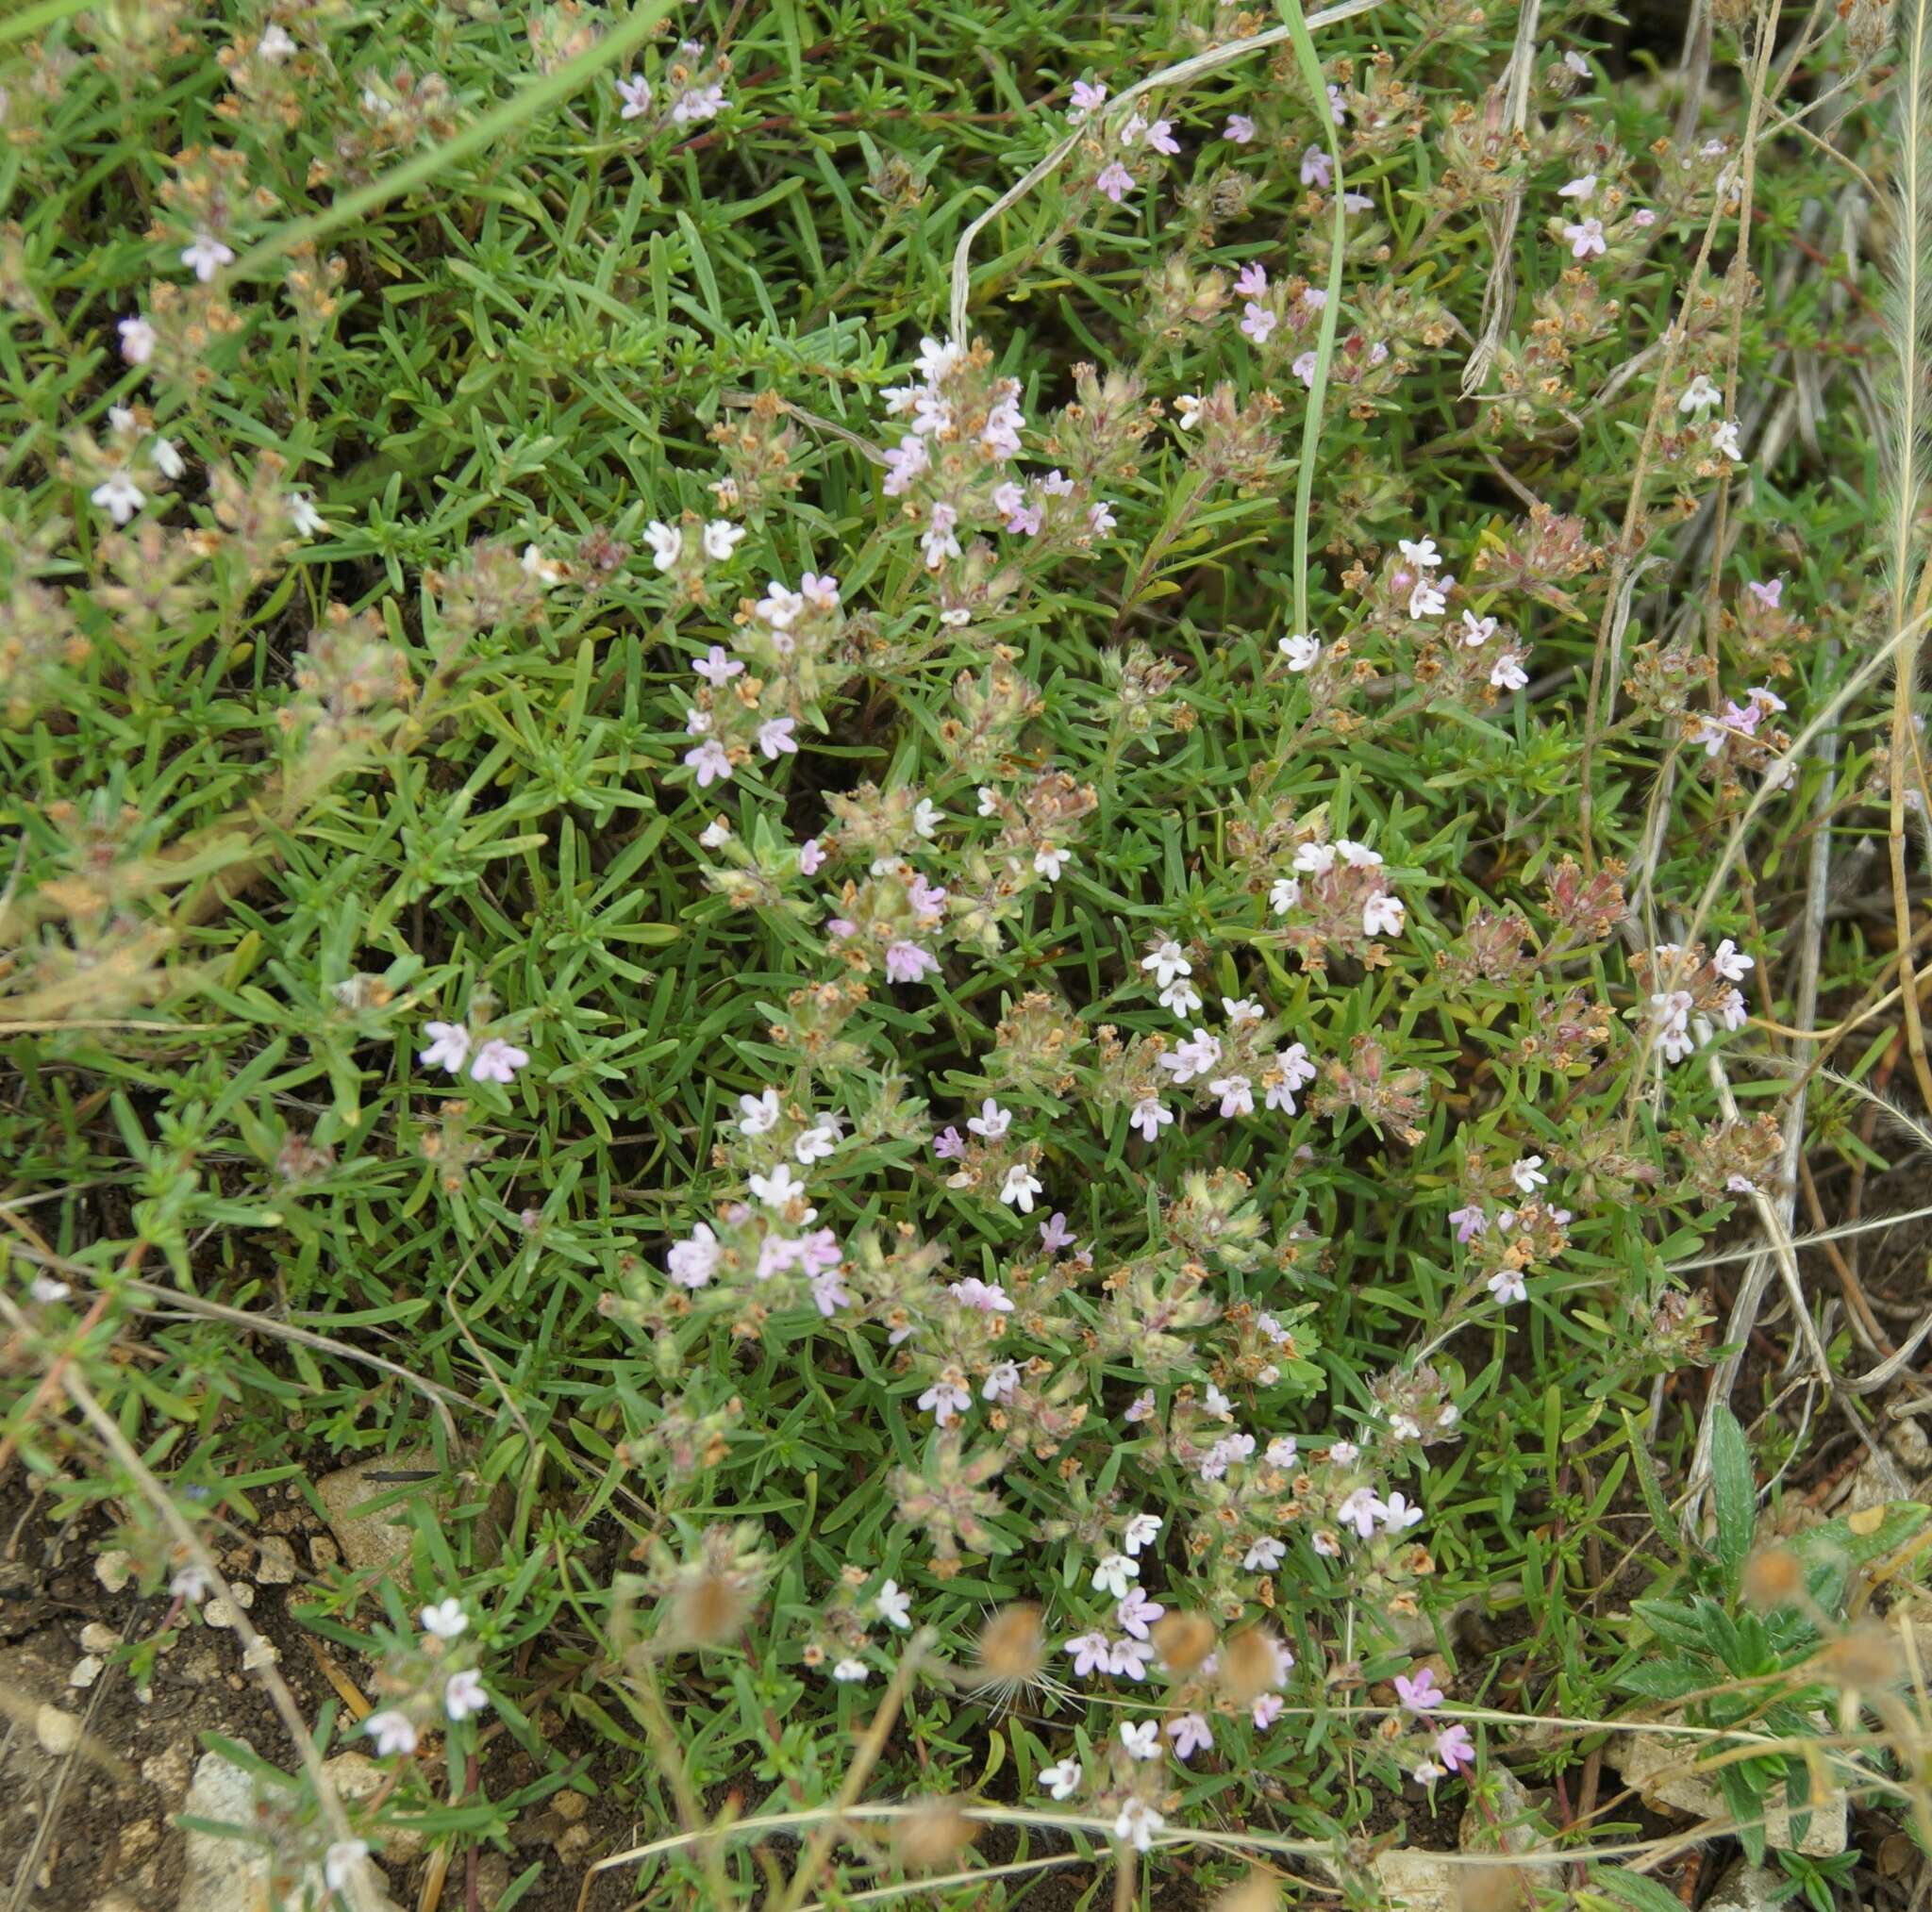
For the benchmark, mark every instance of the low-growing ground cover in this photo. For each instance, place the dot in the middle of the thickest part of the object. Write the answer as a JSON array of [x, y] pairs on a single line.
[[1037, 891]]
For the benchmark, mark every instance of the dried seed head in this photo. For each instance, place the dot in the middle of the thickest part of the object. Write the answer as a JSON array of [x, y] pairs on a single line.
[[1773, 1576], [1255, 1893], [932, 1835], [1013, 1650], [1249, 1665], [1182, 1640], [1862, 1659], [706, 1609]]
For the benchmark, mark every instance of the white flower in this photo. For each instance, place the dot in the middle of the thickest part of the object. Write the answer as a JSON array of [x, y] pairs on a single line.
[[1361, 1510], [138, 340], [1180, 996], [446, 1620], [1478, 630], [943, 1400], [1576, 63], [721, 538], [758, 1114], [1191, 407], [1425, 600], [303, 515], [1063, 1780], [497, 1061], [464, 1695], [850, 1672], [44, 1287], [1700, 397], [1142, 1737], [1508, 674], [1382, 916], [1137, 1824], [1113, 1572], [666, 542], [119, 496], [815, 1144], [1359, 855], [1730, 963], [1141, 1531], [1423, 554], [635, 94], [1265, 1555], [1166, 962], [715, 834], [1236, 1095], [206, 256], [1724, 438], [190, 1583], [1239, 1009], [1579, 188], [392, 1732], [449, 1047], [1400, 1514], [1508, 1286], [1049, 860], [1301, 652], [989, 801], [779, 1189], [1019, 1188], [892, 1603], [927, 817], [343, 1861], [993, 1121], [167, 458], [1528, 1176]]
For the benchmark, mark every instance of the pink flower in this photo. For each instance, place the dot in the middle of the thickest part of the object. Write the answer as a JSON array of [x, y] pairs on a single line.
[[906, 962], [1189, 1733], [1453, 1747], [1089, 97], [1266, 1710], [1090, 1652], [498, 1062], [1253, 281], [1116, 182], [812, 857], [1421, 1694], [988, 1297], [1767, 594], [949, 1145]]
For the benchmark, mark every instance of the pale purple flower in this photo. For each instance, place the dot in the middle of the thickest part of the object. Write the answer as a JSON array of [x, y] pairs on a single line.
[[1137, 1823], [1150, 1116], [498, 1062], [1100, 518], [1089, 97], [1506, 672], [635, 94], [1700, 395], [710, 763], [1426, 600], [693, 1261], [1400, 1514], [1586, 239], [1161, 137], [1236, 1095], [1730, 963], [1189, 1733], [1115, 181], [1266, 1710], [988, 1297], [1724, 438], [1257, 322], [1453, 1747], [906, 962], [1468, 1221], [1420, 1694], [1129, 1658], [716, 667], [1054, 1235], [949, 1145], [1240, 128], [812, 857], [776, 739], [1579, 188], [1090, 1652], [1643, 216], [1769, 594], [1317, 168], [1135, 1614], [1265, 1555], [1361, 1510], [697, 104]]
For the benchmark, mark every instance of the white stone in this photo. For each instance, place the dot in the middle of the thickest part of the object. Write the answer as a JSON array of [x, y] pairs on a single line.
[[59, 1732], [84, 1672], [1659, 1766]]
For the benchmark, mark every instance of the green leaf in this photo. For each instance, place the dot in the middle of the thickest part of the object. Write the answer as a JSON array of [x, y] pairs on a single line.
[[1733, 1491], [1636, 1890]]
